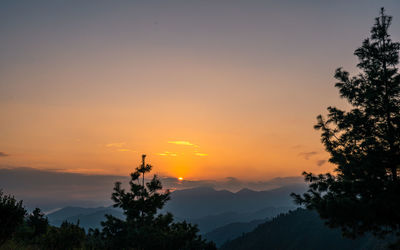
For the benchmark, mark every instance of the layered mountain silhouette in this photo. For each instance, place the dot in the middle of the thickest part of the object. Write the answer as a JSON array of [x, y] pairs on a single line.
[[211, 222], [87, 217], [205, 201], [204, 206]]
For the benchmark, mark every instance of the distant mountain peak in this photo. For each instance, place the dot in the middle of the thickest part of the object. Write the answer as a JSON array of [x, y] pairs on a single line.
[[245, 191]]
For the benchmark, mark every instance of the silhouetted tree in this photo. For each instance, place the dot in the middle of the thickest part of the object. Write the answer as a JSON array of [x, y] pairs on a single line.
[[67, 236], [38, 222], [12, 215], [364, 143], [143, 228], [95, 240]]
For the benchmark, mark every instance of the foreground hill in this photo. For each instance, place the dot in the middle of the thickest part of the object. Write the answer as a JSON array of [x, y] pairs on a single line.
[[299, 229], [231, 231]]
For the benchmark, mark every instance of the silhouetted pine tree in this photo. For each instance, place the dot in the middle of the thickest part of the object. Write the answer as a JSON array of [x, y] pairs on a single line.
[[143, 228], [364, 143]]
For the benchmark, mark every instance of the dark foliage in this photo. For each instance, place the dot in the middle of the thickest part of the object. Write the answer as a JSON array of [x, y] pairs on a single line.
[[11, 216], [95, 239], [33, 230], [67, 236], [364, 144], [38, 222]]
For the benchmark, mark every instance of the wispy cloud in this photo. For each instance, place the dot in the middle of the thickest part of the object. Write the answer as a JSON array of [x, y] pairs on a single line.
[[2, 154], [321, 162], [166, 153], [126, 150], [308, 155], [116, 145], [201, 154], [83, 171], [184, 143]]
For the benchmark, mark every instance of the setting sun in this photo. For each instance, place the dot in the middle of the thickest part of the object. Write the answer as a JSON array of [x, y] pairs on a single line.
[[180, 178]]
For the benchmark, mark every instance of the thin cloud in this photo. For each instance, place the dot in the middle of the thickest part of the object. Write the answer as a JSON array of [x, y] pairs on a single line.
[[201, 154], [184, 143], [308, 155], [116, 145], [321, 162], [84, 171], [2, 154], [126, 150], [166, 153]]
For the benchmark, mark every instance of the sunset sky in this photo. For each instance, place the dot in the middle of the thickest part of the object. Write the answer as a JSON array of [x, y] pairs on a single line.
[[207, 89]]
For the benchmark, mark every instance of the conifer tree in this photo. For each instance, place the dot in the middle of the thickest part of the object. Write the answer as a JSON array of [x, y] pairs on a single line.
[[363, 195], [144, 227]]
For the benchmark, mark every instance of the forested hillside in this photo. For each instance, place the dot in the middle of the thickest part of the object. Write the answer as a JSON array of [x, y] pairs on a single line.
[[299, 229], [229, 232]]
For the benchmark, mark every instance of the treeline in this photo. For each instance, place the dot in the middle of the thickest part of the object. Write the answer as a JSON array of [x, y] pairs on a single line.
[[20, 230], [143, 227]]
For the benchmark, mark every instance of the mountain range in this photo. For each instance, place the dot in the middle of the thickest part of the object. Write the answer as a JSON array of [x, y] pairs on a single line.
[[204, 201], [243, 220], [204, 206]]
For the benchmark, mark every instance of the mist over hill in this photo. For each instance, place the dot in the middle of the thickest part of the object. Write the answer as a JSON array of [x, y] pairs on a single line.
[[87, 217]]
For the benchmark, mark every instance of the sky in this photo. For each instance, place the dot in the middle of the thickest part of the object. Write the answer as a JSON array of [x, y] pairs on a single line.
[[207, 89]]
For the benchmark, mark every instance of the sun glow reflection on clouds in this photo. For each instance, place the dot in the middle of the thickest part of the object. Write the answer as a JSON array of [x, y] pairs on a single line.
[[184, 143], [126, 150], [166, 153], [116, 145], [201, 154]]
